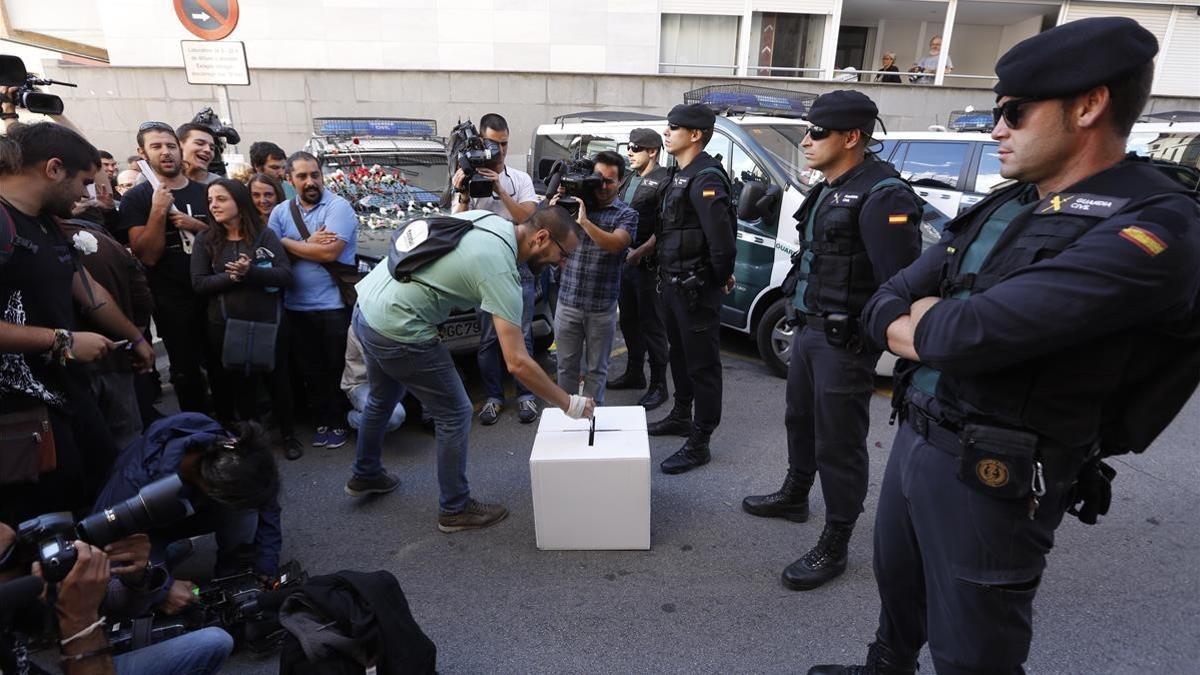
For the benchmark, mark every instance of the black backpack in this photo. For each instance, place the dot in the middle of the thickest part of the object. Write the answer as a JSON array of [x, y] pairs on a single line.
[[421, 241]]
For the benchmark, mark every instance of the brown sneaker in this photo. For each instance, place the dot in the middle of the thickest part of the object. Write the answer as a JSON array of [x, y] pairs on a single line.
[[477, 515]]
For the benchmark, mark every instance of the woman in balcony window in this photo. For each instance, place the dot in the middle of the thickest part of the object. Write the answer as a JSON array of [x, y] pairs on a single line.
[[889, 64]]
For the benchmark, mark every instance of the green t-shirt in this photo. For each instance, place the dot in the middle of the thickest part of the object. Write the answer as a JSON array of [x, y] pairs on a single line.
[[480, 272]]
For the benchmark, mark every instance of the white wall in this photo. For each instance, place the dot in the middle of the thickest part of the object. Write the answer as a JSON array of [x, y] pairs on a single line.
[[1014, 33], [615, 36]]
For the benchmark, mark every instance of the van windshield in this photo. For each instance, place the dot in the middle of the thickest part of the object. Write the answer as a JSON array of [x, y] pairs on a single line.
[[783, 143], [375, 180]]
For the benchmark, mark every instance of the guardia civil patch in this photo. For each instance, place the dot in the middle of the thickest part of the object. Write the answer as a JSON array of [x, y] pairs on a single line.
[[1144, 239]]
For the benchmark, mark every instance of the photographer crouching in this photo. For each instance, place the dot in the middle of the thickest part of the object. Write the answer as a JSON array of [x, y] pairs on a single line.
[[101, 584], [231, 482]]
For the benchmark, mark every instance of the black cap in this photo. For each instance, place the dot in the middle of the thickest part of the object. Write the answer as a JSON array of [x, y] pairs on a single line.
[[647, 138], [843, 110], [692, 116], [1074, 57]]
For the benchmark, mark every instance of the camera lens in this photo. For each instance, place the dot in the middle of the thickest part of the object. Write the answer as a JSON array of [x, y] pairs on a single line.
[[155, 505]]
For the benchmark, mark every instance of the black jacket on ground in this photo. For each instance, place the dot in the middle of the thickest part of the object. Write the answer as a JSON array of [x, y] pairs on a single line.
[[344, 622]]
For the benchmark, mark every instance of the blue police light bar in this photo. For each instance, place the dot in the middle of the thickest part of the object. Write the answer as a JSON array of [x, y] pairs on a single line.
[[374, 127], [749, 99], [972, 120]]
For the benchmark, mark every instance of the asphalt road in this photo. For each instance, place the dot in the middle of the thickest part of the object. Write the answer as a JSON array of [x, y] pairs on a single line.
[[1120, 597]]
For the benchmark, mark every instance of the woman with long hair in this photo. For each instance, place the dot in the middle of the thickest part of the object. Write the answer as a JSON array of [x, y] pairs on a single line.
[[266, 193], [241, 265]]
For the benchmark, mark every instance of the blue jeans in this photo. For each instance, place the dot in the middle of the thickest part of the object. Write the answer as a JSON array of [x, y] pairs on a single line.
[[198, 653], [584, 337], [492, 368], [358, 400], [427, 371]]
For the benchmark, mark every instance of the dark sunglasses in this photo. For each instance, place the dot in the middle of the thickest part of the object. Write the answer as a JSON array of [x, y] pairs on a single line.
[[147, 126], [674, 127], [1010, 111], [819, 133], [636, 148]]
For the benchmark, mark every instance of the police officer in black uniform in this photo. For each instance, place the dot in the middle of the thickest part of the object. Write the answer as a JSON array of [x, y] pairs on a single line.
[[1047, 314], [640, 304], [858, 227], [695, 247]]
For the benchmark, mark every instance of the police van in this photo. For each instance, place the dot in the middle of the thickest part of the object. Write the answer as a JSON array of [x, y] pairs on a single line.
[[757, 139], [392, 169]]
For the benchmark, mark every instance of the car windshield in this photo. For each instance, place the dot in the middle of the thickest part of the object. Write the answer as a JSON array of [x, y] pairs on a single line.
[[374, 181], [782, 142]]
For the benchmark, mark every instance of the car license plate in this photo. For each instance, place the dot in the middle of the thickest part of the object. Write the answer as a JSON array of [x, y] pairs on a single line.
[[459, 329]]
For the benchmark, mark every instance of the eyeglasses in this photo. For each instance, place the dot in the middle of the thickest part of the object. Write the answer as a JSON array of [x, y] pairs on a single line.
[[674, 127], [565, 256], [1010, 111], [819, 133], [636, 148], [147, 126]]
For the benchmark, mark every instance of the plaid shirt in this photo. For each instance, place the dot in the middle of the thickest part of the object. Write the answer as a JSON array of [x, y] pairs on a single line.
[[592, 277]]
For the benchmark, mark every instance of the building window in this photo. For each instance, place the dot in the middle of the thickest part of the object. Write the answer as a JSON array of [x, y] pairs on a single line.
[[786, 45], [698, 44]]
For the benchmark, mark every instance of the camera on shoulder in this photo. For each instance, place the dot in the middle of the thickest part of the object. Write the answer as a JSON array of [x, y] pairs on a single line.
[[470, 152], [578, 178], [13, 74]]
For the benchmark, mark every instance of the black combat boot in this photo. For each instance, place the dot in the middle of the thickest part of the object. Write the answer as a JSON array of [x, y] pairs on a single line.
[[655, 396], [632, 378], [824, 562], [692, 455], [880, 661], [678, 422], [790, 502]]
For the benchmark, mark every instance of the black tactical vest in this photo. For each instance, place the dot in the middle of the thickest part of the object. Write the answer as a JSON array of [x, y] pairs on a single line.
[[1066, 395], [841, 278], [682, 246], [647, 200]]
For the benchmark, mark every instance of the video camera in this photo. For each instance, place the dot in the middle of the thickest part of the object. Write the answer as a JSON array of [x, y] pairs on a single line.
[[222, 133], [470, 151], [241, 604], [13, 74], [580, 180], [50, 535]]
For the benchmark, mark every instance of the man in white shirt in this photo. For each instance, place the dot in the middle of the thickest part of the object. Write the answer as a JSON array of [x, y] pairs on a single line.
[[513, 198]]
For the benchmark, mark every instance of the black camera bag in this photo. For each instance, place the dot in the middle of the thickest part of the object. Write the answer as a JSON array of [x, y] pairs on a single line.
[[421, 241]]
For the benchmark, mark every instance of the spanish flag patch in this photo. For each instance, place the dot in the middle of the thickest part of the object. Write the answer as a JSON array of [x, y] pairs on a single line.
[[1144, 239], [897, 219], [708, 192]]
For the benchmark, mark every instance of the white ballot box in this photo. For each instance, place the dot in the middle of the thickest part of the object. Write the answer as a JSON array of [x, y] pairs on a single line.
[[597, 495]]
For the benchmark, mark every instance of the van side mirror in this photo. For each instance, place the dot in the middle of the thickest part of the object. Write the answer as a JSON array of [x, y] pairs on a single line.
[[544, 167], [752, 191], [769, 202]]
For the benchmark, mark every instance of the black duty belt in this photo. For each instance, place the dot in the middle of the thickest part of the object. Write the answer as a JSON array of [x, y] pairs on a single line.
[[812, 321], [939, 433]]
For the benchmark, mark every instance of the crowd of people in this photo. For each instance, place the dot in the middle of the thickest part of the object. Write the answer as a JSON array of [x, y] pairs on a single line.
[[252, 286]]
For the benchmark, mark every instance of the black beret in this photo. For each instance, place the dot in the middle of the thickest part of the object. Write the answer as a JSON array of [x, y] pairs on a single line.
[[693, 116], [1074, 57], [843, 110], [647, 138]]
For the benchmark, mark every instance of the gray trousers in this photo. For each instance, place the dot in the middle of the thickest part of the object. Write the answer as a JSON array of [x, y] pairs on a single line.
[[584, 341]]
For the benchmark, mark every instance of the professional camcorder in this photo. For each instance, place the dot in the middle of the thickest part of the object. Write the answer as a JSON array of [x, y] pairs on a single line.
[[13, 74], [222, 133], [49, 535], [470, 151], [242, 604], [580, 180]]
